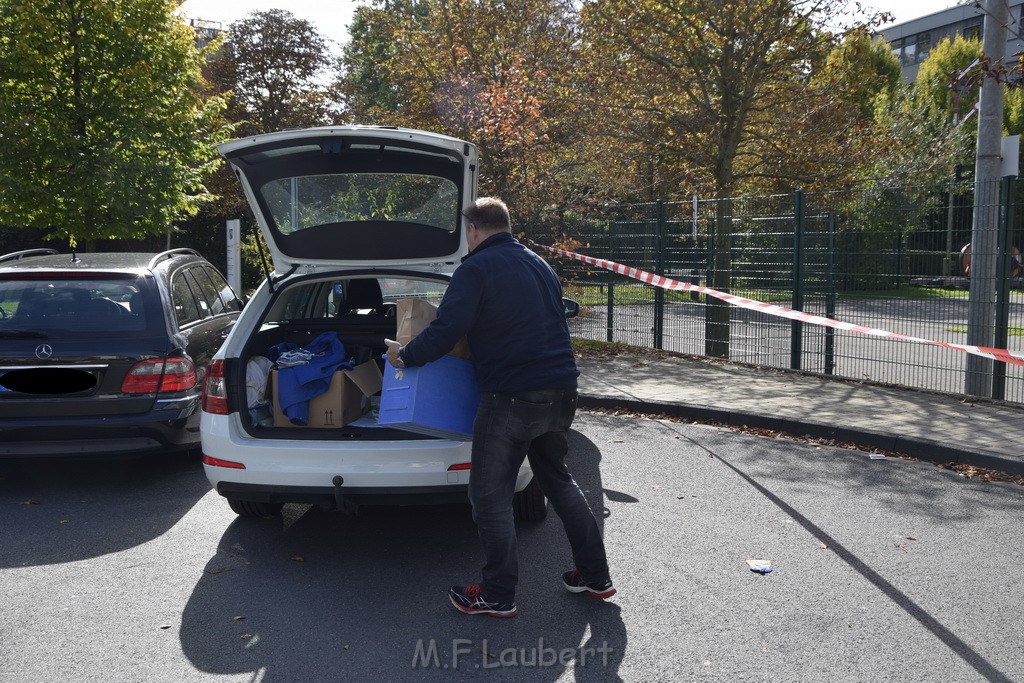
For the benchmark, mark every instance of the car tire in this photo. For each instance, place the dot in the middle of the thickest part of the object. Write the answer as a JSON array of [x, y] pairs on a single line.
[[252, 508], [530, 505]]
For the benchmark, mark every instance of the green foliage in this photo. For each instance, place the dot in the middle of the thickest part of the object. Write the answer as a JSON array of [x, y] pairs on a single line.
[[862, 70], [103, 132], [946, 84]]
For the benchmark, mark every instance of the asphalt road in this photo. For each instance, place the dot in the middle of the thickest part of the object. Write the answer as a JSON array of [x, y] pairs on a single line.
[[884, 570]]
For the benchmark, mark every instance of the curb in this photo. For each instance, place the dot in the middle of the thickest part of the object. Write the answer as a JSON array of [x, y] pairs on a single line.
[[919, 449]]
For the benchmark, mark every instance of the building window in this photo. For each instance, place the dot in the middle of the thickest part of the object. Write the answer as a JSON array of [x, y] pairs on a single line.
[[924, 45], [973, 31]]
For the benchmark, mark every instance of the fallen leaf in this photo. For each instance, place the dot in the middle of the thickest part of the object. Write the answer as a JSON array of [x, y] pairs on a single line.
[[298, 559], [911, 538], [164, 627], [238, 618]]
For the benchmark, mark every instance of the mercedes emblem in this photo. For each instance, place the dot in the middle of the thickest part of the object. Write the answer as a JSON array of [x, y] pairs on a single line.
[[44, 351]]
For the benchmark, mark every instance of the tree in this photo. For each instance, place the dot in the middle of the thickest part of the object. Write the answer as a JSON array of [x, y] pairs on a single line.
[[368, 89], [102, 131], [723, 85], [502, 74], [273, 66]]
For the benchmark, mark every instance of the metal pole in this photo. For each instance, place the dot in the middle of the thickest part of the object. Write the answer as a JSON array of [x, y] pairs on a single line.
[[659, 293], [796, 345], [1002, 326], [830, 298], [984, 233], [611, 311]]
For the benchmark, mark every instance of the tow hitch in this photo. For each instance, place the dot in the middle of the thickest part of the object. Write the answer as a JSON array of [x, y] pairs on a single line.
[[340, 501]]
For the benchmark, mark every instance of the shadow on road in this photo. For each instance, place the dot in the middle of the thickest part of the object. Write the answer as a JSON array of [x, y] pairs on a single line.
[[969, 655], [322, 596], [72, 509]]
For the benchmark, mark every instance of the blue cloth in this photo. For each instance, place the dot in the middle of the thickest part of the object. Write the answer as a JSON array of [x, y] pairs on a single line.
[[296, 385], [508, 302], [275, 351]]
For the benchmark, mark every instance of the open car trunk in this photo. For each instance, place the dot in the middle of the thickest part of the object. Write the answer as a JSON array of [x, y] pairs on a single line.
[[361, 311]]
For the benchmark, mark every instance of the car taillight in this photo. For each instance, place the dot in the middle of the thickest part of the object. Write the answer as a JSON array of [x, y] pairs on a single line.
[[217, 462], [215, 390], [151, 376], [459, 466]]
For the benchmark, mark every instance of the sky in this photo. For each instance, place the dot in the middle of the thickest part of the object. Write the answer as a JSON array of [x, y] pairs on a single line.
[[331, 17]]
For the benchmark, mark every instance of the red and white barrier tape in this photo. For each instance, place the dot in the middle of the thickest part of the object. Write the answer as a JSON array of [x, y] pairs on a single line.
[[771, 309]]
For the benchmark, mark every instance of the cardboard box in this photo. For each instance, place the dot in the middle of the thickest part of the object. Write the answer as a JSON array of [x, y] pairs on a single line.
[[343, 401], [437, 399], [413, 316]]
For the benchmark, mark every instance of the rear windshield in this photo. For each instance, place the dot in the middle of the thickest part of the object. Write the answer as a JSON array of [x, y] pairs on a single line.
[[74, 307], [310, 201]]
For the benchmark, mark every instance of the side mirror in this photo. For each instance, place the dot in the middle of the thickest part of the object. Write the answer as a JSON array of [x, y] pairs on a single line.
[[571, 308]]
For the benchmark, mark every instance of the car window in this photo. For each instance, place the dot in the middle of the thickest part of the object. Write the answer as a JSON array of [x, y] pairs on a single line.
[[326, 298], [206, 294], [226, 301], [308, 201], [62, 306], [186, 310]]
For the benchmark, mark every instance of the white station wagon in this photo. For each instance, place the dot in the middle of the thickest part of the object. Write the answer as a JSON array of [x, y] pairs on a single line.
[[355, 219]]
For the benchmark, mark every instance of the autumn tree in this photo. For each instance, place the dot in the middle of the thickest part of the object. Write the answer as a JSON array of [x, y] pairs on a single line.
[[501, 74], [721, 91], [273, 66], [102, 131]]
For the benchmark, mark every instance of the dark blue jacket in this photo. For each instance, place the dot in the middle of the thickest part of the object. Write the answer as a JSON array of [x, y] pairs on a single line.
[[508, 302]]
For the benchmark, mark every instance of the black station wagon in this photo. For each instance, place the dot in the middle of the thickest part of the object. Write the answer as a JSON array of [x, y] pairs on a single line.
[[105, 353]]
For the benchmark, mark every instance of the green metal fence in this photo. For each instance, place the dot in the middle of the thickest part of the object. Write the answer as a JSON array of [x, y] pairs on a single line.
[[887, 259]]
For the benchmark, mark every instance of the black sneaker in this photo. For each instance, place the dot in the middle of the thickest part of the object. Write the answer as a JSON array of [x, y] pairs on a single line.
[[574, 583], [467, 600]]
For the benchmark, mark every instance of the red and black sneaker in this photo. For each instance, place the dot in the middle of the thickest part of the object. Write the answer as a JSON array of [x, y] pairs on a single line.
[[467, 599], [574, 583]]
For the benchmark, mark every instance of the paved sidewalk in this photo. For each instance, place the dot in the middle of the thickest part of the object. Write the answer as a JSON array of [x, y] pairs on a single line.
[[929, 426]]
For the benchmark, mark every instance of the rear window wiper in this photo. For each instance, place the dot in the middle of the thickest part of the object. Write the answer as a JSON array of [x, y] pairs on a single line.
[[23, 334]]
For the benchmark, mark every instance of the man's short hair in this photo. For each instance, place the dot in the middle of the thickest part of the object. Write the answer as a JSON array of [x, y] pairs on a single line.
[[488, 214]]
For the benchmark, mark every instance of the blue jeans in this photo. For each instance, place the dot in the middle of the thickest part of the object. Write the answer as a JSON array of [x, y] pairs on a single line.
[[509, 428]]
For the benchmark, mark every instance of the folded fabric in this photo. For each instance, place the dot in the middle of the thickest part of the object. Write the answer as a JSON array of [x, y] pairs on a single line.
[[292, 358], [256, 372], [297, 384], [275, 351]]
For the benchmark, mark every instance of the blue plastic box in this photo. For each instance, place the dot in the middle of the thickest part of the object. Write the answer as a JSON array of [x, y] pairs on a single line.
[[437, 399]]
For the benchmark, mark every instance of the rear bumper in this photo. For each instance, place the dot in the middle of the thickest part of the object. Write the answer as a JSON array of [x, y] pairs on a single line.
[[331, 497], [97, 438]]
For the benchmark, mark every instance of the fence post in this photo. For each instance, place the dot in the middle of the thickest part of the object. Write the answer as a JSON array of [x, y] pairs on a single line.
[[796, 334], [611, 310], [830, 297], [659, 268], [1002, 326]]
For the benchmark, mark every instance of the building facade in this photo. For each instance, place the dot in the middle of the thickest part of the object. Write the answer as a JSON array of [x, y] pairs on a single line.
[[912, 40]]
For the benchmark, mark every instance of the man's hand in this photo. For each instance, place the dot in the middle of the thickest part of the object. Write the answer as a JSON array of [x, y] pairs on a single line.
[[393, 349]]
